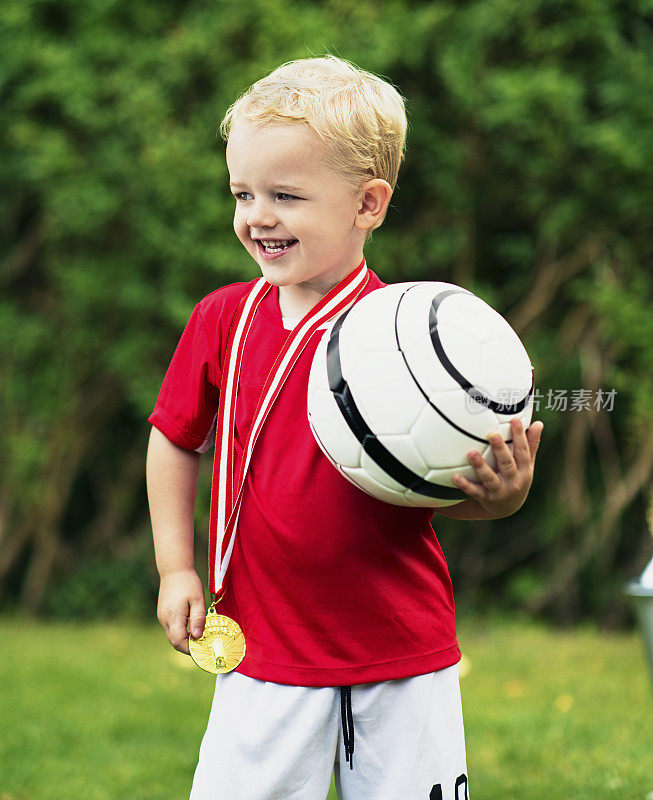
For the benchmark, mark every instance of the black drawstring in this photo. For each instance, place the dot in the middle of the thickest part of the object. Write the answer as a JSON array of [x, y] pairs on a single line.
[[347, 723]]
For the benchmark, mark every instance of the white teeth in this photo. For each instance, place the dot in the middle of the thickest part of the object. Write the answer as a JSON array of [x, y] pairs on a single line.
[[273, 246]]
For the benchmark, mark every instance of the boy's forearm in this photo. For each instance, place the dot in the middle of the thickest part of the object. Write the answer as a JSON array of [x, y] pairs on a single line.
[[468, 509], [172, 474]]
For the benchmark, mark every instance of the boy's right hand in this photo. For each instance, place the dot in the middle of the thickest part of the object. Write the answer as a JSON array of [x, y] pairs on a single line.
[[181, 597]]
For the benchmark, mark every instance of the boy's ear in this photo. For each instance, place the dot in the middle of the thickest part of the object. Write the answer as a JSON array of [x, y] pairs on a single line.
[[374, 198]]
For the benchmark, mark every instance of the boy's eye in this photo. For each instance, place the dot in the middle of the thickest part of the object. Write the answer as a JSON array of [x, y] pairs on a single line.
[[283, 196]]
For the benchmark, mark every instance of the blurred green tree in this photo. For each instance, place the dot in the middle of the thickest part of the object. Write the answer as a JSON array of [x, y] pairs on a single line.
[[528, 180]]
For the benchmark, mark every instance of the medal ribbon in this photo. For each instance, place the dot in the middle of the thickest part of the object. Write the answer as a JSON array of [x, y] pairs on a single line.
[[224, 499]]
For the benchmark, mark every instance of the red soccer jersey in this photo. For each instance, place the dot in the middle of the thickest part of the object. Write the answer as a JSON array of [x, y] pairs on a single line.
[[330, 586]]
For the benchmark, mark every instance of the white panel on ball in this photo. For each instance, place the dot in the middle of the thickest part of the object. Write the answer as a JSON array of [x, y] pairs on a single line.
[[364, 481], [342, 445], [506, 375], [414, 309], [440, 445], [464, 347], [395, 405], [427, 370], [462, 411], [402, 447], [485, 321], [378, 474], [387, 401], [504, 429], [361, 328], [442, 477]]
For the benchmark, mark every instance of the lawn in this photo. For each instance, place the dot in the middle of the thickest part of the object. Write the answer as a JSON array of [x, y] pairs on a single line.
[[109, 711]]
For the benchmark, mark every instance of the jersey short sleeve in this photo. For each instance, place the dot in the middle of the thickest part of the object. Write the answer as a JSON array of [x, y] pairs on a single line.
[[187, 404]]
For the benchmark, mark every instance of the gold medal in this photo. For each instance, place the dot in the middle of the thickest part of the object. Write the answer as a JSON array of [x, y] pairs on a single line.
[[221, 647]]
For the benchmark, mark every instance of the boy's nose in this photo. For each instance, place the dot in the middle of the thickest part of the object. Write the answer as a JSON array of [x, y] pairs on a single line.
[[261, 215]]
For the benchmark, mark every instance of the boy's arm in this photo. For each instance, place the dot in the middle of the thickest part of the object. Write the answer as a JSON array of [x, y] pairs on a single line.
[[499, 492], [172, 474], [467, 509]]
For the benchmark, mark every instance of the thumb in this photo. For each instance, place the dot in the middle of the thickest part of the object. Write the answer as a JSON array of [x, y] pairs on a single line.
[[197, 618]]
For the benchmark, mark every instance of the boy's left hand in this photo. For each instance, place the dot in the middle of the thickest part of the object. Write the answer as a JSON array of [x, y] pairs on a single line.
[[502, 491]]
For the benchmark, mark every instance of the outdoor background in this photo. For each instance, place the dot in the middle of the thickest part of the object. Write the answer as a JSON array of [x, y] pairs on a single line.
[[528, 179]]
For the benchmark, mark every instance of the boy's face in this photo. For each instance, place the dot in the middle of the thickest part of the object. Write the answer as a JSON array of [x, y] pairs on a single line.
[[295, 214]]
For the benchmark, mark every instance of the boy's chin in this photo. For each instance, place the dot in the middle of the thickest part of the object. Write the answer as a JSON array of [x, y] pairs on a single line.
[[274, 281], [274, 275], [274, 271]]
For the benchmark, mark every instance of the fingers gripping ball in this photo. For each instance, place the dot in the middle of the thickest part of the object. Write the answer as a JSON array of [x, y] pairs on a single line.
[[408, 381]]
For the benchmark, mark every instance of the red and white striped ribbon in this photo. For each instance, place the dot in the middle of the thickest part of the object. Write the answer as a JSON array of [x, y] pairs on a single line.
[[226, 494]]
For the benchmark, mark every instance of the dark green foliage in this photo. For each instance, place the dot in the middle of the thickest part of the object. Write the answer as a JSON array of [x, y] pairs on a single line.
[[528, 179]]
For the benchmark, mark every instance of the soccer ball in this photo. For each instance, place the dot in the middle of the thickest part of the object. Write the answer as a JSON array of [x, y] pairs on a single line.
[[407, 381]]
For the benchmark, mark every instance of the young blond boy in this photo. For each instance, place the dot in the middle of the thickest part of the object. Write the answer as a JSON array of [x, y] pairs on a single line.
[[345, 602]]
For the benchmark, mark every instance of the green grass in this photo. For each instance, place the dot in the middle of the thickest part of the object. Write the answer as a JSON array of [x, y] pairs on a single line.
[[552, 714], [109, 711]]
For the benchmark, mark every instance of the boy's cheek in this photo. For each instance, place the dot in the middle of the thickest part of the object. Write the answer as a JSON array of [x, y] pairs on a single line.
[[242, 232]]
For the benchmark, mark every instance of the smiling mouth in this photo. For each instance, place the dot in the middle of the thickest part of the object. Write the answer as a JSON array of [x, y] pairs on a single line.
[[274, 247]]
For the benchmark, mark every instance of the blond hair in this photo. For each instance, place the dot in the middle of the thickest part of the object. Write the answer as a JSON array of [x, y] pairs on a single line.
[[360, 117]]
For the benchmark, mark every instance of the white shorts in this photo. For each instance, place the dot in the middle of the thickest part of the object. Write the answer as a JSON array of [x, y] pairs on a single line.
[[268, 741]]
